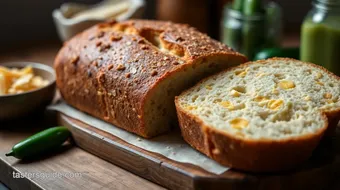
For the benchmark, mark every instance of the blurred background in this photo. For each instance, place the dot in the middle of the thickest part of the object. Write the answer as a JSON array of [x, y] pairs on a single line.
[[24, 22]]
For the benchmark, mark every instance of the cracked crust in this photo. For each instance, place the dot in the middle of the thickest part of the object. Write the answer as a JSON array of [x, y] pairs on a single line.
[[262, 155], [111, 70]]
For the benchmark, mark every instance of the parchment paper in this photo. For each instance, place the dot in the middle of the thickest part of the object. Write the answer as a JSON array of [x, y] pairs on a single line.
[[170, 145]]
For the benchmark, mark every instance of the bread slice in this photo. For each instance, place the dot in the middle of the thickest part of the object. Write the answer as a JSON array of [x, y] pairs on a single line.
[[128, 73], [263, 116]]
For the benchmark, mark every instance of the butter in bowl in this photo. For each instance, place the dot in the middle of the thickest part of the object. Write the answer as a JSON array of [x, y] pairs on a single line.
[[73, 18]]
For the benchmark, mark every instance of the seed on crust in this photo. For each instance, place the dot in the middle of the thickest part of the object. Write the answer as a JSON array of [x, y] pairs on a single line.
[[144, 47], [133, 70], [95, 63], [75, 59], [104, 47], [120, 67], [179, 39], [115, 38], [100, 34], [154, 73], [99, 43], [141, 41], [110, 67]]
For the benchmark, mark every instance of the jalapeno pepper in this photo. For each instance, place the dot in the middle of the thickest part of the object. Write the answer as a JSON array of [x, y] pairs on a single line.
[[40, 143]]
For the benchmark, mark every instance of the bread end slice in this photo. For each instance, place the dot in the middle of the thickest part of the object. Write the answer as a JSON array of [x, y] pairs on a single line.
[[265, 151]]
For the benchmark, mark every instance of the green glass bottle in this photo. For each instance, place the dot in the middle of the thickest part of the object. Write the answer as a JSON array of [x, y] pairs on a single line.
[[320, 35]]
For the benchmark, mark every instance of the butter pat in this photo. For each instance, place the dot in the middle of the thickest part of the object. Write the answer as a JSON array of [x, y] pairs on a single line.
[[110, 9]]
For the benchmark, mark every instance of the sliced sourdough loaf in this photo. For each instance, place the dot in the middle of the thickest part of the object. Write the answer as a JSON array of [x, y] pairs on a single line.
[[263, 116], [128, 73]]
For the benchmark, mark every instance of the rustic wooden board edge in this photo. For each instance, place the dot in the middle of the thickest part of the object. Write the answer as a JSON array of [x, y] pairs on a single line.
[[136, 162], [6, 176], [174, 175]]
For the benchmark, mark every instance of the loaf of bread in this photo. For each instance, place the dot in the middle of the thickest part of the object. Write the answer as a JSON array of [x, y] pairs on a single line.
[[128, 73], [263, 116]]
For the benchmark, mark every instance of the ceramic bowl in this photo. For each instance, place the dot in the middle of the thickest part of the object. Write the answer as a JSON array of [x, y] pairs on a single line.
[[67, 26], [19, 105]]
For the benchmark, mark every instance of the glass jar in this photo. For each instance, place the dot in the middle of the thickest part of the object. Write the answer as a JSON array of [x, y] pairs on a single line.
[[320, 35], [248, 34]]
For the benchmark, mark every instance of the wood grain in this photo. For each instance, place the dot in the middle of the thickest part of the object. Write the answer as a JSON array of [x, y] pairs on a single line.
[[320, 172], [94, 173]]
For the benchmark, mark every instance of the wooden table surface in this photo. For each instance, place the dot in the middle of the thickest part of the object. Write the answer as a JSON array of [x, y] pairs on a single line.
[[72, 168]]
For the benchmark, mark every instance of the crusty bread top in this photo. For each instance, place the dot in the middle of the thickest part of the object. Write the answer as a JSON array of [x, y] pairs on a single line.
[[270, 99], [136, 54]]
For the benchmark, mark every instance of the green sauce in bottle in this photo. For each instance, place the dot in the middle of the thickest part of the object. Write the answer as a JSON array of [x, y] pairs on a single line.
[[320, 37]]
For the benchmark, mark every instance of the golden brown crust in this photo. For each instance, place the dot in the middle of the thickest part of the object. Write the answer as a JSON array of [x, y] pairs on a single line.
[[262, 155], [109, 70]]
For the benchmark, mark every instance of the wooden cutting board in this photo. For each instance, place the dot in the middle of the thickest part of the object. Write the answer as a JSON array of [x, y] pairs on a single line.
[[322, 171]]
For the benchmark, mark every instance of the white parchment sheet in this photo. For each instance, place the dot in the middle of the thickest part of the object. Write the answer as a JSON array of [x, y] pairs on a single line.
[[170, 145]]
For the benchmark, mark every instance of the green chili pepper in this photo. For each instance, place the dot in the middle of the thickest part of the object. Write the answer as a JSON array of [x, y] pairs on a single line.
[[292, 52], [40, 143]]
